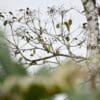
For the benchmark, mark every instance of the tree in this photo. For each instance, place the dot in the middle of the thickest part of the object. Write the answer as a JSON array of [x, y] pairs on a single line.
[[93, 45], [65, 79], [35, 42], [16, 84]]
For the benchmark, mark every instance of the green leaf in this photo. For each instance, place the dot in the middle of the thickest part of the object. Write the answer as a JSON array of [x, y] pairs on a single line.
[[67, 38], [57, 26], [35, 92], [5, 22], [1, 15], [27, 39], [67, 26], [70, 22], [34, 51], [10, 13]]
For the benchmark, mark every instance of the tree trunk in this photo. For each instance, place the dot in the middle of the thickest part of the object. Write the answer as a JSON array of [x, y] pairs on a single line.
[[93, 38], [92, 26]]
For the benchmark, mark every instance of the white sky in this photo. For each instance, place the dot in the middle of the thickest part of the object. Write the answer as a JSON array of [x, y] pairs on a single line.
[[13, 5], [17, 4]]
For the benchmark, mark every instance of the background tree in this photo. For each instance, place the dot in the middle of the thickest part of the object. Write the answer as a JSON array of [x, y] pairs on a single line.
[[93, 39], [56, 40], [37, 40]]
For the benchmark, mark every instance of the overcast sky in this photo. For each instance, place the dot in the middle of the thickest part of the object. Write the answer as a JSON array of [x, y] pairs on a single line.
[[13, 5], [17, 4]]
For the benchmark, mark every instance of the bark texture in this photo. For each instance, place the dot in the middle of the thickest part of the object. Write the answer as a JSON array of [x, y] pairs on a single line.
[[93, 40], [92, 26]]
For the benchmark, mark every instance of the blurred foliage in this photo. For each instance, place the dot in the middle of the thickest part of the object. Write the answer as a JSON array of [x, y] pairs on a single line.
[[8, 67], [15, 84]]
